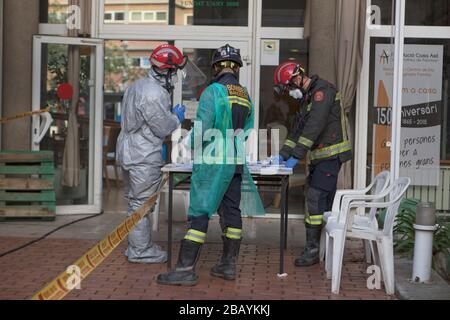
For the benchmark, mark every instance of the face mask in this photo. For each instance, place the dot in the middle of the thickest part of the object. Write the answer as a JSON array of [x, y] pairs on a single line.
[[297, 94], [166, 78]]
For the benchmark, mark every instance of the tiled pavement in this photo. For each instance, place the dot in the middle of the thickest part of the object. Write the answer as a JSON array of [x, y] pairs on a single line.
[[25, 272]]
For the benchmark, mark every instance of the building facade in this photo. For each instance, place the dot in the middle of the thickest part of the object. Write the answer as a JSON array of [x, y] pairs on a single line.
[[116, 37]]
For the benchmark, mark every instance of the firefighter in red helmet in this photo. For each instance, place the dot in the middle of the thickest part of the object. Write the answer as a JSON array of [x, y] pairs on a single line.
[[147, 119], [319, 129]]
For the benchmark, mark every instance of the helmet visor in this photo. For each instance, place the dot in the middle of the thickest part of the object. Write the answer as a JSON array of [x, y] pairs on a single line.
[[184, 63], [279, 90]]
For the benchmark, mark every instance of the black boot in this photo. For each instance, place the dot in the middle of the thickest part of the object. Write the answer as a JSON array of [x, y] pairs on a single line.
[[184, 273], [310, 255], [226, 268]]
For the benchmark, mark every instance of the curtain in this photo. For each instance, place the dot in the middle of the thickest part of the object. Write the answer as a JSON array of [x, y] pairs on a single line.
[[349, 46], [71, 160]]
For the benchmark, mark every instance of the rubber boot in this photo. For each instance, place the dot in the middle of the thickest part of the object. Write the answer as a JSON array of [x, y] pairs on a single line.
[[184, 273], [226, 268], [311, 254]]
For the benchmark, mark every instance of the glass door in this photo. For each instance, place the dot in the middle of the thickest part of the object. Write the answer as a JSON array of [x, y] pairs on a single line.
[[67, 81], [199, 74], [378, 121], [200, 55]]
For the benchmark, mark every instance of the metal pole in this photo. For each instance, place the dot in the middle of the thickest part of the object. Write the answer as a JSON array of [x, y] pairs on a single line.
[[397, 89], [169, 223], [282, 226], [286, 210], [444, 120], [425, 227]]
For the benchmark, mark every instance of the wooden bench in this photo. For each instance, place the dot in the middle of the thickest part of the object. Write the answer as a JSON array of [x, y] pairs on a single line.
[[27, 185]]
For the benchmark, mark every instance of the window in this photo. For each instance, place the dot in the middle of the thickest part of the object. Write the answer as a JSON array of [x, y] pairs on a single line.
[[188, 19], [425, 132], [57, 17], [149, 16], [125, 62], [119, 16], [203, 13], [161, 16], [386, 7], [135, 62], [140, 62], [145, 63], [114, 17], [283, 13], [53, 11], [428, 13], [136, 16], [418, 12], [108, 16]]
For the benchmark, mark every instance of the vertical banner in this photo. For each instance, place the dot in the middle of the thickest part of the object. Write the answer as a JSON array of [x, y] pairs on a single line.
[[421, 112]]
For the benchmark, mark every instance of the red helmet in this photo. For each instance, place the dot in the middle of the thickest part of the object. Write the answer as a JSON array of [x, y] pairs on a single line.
[[168, 56], [284, 75]]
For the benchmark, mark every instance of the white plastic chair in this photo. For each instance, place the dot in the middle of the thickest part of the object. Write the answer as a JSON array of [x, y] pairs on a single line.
[[378, 185], [338, 230]]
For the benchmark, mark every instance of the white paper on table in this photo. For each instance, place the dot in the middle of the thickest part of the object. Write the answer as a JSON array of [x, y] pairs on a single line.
[[191, 108]]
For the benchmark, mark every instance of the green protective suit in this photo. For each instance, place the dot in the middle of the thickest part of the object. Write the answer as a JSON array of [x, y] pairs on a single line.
[[216, 159]]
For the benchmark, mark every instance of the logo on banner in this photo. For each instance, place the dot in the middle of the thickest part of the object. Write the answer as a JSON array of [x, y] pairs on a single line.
[[384, 57]]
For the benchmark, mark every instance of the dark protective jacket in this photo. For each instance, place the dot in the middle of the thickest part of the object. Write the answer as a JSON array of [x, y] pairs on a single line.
[[222, 107], [240, 108], [320, 127]]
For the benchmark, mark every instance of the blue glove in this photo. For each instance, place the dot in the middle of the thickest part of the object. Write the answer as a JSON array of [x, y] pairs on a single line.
[[279, 160], [180, 111], [292, 163]]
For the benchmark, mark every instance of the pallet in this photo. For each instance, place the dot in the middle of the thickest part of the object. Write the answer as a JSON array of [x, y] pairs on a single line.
[[27, 185]]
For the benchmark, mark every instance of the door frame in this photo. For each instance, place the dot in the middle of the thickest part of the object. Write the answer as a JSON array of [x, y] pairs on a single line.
[[1, 68], [95, 174]]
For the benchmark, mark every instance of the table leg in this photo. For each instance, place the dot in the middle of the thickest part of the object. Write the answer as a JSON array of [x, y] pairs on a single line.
[[286, 214], [282, 224], [169, 223]]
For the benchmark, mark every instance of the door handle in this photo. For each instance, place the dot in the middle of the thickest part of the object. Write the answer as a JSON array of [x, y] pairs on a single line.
[[247, 60], [44, 128]]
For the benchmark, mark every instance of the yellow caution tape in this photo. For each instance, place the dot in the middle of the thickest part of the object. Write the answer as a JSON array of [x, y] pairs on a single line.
[[24, 115], [58, 288]]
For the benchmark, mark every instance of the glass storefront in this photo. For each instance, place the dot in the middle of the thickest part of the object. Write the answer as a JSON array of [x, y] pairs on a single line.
[[65, 64], [438, 86], [125, 62], [424, 136], [53, 11], [281, 24], [177, 12], [425, 133]]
